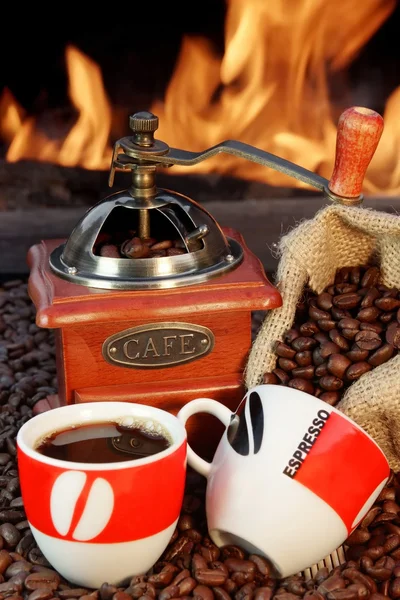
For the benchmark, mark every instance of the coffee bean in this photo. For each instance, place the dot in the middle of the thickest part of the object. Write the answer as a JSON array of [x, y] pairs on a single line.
[[329, 348], [303, 359], [359, 536], [369, 298], [387, 304], [371, 327], [304, 372], [331, 398], [324, 301], [291, 335], [393, 335], [20, 566], [284, 363], [201, 592], [171, 591], [342, 275], [5, 560], [282, 376], [317, 314], [232, 551], [321, 337], [261, 563], [340, 313], [338, 339], [380, 356], [39, 594], [235, 565], [345, 288], [284, 351], [349, 334], [334, 582], [330, 383], [303, 343], [348, 323], [134, 248], [210, 577], [309, 328], [371, 277], [10, 535], [355, 276], [270, 378], [326, 324], [304, 385], [368, 314], [386, 317], [48, 580], [264, 593], [368, 340], [338, 364], [321, 370], [8, 588], [347, 301], [164, 245], [356, 353], [187, 585], [357, 369]]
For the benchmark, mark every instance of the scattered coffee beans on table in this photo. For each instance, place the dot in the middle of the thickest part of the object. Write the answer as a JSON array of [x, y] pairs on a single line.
[[192, 566], [338, 335]]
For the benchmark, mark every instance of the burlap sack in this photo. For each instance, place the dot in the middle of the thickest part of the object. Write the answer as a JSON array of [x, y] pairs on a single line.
[[336, 237]]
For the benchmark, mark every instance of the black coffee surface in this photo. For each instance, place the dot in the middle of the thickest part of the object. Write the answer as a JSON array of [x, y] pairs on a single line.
[[102, 443]]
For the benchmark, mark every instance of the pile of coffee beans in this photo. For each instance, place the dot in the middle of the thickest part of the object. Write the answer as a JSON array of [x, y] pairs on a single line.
[[192, 566], [128, 245], [338, 335]]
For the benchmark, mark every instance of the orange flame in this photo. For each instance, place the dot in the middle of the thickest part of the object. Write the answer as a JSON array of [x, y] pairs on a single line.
[[86, 144], [270, 89]]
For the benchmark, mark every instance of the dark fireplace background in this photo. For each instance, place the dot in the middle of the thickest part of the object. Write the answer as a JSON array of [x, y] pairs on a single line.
[[136, 45]]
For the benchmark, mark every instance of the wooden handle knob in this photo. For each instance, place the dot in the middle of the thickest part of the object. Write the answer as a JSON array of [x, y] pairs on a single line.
[[358, 135]]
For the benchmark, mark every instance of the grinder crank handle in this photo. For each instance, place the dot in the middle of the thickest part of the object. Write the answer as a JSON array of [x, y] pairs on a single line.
[[358, 134], [359, 131]]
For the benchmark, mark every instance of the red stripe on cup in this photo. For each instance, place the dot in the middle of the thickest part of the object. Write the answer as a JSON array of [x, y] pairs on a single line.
[[344, 467], [146, 498]]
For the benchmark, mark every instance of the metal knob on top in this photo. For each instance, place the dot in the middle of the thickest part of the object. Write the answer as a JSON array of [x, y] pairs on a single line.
[[143, 125], [144, 122]]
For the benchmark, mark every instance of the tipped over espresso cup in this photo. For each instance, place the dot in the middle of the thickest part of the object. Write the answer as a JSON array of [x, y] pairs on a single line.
[[291, 478], [102, 485]]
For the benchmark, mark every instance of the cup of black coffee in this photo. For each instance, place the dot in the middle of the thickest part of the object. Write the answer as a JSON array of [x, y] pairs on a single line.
[[102, 485]]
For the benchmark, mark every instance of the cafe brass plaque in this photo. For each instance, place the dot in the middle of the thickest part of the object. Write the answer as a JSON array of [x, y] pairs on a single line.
[[158, 345]]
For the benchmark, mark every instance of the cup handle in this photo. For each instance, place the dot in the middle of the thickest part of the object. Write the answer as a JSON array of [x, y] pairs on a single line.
[[203, 405]]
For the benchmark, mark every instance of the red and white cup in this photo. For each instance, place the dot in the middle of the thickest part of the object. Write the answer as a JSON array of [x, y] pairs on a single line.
[[291, 478], [105, 521]]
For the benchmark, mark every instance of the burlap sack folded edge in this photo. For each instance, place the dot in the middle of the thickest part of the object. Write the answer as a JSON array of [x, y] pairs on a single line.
[[310, 254]]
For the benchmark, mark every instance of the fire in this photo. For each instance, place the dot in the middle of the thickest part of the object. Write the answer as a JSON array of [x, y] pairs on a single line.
[[270, 89], [86, 144]]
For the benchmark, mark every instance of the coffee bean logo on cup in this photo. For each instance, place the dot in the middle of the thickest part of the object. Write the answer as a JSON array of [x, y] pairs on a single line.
[[97, 510], [290, 472], [101, 519]]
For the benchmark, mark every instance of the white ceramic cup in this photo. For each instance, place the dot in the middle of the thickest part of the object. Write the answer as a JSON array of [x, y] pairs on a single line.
[[291, 477], [97, 522]]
